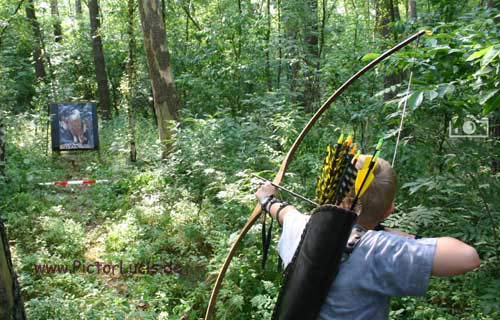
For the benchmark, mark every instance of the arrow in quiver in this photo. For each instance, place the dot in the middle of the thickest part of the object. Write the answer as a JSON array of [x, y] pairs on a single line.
[[365, 175], [338, 173], [316, 261], [348, 175]]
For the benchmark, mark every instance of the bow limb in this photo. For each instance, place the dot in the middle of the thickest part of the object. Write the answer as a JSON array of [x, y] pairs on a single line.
[[284, 165]]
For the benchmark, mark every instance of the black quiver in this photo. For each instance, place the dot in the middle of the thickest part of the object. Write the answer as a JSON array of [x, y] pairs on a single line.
[[315, 264]]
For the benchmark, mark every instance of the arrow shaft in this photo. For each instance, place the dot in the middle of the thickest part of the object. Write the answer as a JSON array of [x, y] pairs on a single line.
[[287, 190]]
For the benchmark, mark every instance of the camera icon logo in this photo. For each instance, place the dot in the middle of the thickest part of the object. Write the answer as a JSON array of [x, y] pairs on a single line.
[[468, 127]]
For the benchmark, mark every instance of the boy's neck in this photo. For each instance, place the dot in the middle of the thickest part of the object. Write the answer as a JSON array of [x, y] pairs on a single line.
[[366, 224]]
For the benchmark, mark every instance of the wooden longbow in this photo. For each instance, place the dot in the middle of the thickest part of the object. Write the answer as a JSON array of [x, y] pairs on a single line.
[[284, 165]]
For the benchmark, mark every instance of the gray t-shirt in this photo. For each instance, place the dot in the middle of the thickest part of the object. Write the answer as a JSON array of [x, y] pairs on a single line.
[[382, 265]]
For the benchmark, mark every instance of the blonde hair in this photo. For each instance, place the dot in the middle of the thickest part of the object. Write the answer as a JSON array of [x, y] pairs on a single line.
[[379, 196]]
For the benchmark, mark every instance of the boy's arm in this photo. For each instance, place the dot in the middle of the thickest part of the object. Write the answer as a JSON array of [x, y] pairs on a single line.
[[263, 193], [453, 257]]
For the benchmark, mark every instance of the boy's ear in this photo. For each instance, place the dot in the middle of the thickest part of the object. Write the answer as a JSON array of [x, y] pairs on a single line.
[[389, 211]]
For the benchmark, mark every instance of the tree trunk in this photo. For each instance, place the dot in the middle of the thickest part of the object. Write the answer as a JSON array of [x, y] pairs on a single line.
[[165, 98], [164, 13], [280, 48], [495, 134], [268, 49], [291, 25], [324, 19], [2, 147], [186, 38], [386, 14], [301, 29], [413, 10], [131, 79], [78, 7], [396, 16], [235, 100], [188, 8], [99, 62], [11, 302], [54, 11], [311, 72], [37, 47]]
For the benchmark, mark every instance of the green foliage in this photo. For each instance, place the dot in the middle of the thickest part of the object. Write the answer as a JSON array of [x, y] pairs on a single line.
[[145, 216], [187, 210]]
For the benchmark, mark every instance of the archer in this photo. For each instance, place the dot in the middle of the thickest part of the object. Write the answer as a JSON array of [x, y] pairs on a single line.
[[380, 264]]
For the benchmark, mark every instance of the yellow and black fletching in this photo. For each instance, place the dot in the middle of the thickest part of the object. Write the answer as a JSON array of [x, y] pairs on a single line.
[[365, 174], [326, 171], [336, 175], [356, 157], [326, 176], [365, 177], [339, 174], [349, 173]]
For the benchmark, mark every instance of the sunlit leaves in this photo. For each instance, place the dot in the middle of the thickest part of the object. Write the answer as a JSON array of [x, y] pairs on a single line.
[[416, 99], [478, 54], [431, 95], [487, 55], [445, 88], [370, 56], [487, 95]]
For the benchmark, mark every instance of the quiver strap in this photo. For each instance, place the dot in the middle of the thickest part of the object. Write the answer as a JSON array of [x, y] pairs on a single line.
[[315, 264]]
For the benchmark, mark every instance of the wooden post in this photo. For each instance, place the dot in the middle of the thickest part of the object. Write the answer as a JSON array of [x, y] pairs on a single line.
[[11, 302]]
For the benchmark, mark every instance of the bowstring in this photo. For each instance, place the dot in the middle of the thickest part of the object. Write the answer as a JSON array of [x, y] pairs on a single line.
[[405, 104]]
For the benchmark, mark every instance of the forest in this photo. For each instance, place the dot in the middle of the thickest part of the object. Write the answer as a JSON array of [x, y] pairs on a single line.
[[185, 101]]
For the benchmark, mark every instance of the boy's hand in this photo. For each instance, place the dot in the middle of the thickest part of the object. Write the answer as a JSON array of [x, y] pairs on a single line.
[[265, 190]]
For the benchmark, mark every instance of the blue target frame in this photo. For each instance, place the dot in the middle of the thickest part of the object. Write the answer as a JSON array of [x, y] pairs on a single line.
[[74, 126]]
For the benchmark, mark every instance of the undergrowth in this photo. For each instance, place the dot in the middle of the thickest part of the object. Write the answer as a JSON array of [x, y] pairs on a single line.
[[182, 214]]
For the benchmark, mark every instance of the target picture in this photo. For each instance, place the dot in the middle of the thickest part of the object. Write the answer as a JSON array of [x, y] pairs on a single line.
[[74, 126]]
